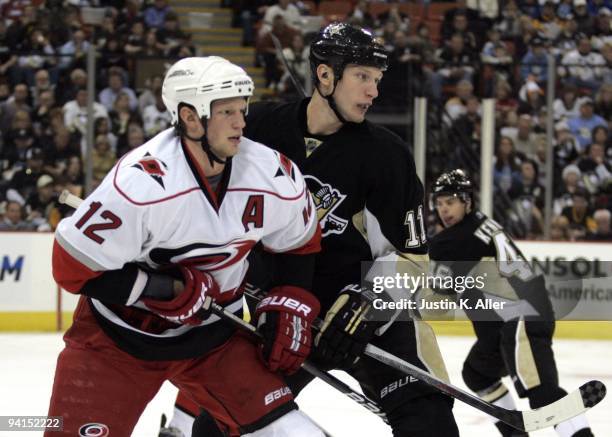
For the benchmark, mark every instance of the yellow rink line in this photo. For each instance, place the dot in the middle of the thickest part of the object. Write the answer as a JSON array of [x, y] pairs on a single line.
[[48, 322]]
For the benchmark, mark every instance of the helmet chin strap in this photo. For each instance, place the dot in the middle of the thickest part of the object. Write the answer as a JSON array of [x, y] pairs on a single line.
[[212, 158], [332, 102]]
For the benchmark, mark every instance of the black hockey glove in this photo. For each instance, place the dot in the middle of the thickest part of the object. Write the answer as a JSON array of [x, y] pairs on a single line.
[[347, 328]]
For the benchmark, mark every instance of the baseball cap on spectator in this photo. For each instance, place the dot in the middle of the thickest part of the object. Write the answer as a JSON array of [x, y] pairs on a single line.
[[572, 168], [34, 153], [579, 3], [580, 36], [536, 41], [586, 101], [604, 11], [43, 181]]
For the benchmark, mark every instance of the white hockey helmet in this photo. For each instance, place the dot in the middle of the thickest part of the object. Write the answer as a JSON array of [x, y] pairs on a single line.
[[199, 81]]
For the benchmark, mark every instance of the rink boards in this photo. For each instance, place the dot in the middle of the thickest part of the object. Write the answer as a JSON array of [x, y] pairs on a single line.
[[31, 301]]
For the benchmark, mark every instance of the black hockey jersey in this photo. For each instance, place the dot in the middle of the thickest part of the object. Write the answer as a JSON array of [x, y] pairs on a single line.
[[368, 197], [479, 245]]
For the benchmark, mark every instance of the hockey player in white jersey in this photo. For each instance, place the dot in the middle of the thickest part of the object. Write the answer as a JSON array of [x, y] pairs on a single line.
[[169, 226]]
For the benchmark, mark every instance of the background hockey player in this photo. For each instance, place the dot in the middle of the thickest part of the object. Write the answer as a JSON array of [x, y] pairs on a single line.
[[512, 344], [369, 202], [170, 226]]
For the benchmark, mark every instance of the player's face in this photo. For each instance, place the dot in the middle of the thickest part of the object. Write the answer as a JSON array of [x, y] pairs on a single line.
[[356, 91], [225, 126], [451, 209]]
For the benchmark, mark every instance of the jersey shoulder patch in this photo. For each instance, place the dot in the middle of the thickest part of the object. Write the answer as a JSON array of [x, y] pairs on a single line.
[[262, 168], [153, 172]]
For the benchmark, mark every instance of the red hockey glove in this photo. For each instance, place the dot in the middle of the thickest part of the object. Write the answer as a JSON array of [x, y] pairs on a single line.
[[284, 318], [184, 307]]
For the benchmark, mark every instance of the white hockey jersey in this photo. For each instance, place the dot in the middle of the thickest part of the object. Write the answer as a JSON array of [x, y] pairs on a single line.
[[155, 207]]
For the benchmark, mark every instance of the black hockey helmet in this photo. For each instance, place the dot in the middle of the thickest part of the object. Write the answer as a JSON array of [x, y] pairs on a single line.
[[455, 183], [340, 44]]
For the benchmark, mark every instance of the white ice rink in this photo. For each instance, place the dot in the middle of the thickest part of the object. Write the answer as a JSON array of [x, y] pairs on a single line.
[[27, 363]]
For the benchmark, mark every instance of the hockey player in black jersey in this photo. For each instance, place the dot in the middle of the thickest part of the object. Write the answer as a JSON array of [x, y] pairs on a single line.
[[369, 201], [516, 342]]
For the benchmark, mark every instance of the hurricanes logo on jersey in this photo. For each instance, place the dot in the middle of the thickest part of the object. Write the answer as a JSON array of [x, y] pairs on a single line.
[[327, 199], [154, 167]]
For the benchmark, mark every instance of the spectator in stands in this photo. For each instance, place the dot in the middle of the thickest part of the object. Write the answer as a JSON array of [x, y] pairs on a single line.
[[122, 115], [506, 165], [102, 157], [603, 28], [523, 138], [8, 59], [75, 112], [18, 32], [42, 82], [135, 138], [596, 171], [535, 63], [73, 53], [115, 87], [393, 15], [463, 8], [583, 125], [505, 105], [67, 90], [64, 146], [460, 27], [531, 8], [603, 100], [602, 232], [510, 24], [467, 122], [152, 87], [41, 117], [42, 205], [136, 39], [527, 188], [72, 178], [266, 51], [102, 127], [566, 41], [585, 21], [17, 101], [567, 149], [601, 136], [579, 215], [457, 105], [24, 180], [170, 35], [152, 47], [531, 101], [287, 10], [113, 55], [360, 16], [583, 67], [15, 147], [155, 14], [559, 229], [156, 117], [13, 218], [456, 64], [571, 180], [296, 56], [567, 105], [547, 25]]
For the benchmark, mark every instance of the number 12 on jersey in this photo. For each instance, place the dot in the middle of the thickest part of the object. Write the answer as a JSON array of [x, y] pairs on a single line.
[[416, 231], [112, 222]]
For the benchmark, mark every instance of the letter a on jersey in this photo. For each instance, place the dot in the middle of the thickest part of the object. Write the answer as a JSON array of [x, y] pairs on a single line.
[[253, 212]]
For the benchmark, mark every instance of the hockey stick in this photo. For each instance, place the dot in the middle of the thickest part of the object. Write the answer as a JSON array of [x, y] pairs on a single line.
[[573, 404], [74, 201]]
